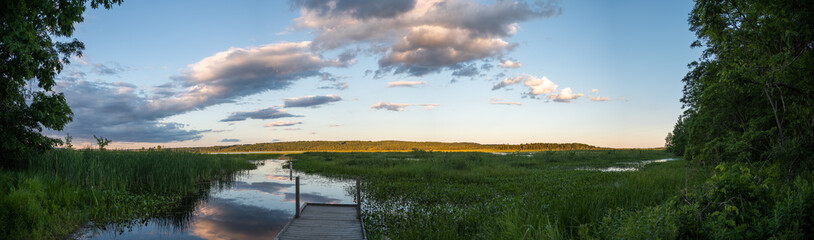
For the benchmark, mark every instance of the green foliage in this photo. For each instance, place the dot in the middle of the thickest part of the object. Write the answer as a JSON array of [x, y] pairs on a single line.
[[29, 61], [750, 97], [745, 202], [436, 195], [66, 189], [102, 142]]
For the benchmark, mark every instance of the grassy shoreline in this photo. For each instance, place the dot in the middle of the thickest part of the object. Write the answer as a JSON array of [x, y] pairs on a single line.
[[64, 190], [429, 195]]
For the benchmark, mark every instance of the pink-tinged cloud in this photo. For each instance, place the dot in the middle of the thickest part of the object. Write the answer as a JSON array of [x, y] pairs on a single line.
[[509, 64], [402, 83], [565, 96], [397, 107], [281, 124]]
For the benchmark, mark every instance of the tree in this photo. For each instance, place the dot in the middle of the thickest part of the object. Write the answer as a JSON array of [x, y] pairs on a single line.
[[29, 61], [102, 142], [750, 97]]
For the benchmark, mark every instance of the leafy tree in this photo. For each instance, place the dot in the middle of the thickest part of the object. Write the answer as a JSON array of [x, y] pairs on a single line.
[[750, 97], [102, 142], [29, 61], [68, 140]]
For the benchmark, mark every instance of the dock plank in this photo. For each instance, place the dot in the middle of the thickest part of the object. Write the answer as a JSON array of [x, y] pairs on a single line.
[[324, 222]]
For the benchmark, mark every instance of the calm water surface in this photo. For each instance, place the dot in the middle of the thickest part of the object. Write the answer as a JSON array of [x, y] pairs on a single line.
[[256, 206]]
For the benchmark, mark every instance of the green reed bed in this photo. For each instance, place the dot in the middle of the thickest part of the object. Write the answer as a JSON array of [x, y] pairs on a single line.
[[64, 190], [424, 195]]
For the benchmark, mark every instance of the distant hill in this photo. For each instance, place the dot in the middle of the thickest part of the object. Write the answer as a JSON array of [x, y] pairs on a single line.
[[385, 146]]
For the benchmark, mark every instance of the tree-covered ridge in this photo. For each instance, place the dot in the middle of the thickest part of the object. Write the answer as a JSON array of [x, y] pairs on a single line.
[[374, 146]]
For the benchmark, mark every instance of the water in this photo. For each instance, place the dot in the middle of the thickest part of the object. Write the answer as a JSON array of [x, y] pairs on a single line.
[[627, 166], [256, 206]]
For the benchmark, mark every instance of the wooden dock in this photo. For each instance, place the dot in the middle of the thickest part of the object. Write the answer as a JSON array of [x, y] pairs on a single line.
[[325, 221]]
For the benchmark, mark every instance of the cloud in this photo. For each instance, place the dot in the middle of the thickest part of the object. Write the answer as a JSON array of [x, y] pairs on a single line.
[[281, 124], [335, 125], [600, 99], [292, 129], [230, 140], [390, 106], [310, 101], [115, 111], [594, 90], [538, 85], [337, 86], [402, 83], [102, 69], [420, 37], [265, 113], [239, 72], [565, 96], [400, 106], [507, 82], [360, 9], [510, 64]]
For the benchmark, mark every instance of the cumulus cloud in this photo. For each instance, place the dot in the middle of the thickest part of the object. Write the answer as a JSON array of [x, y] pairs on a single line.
[[600, 99], [265, 113], [310, 101], [420, 37], [510, 64], [402, 83], [281, 124], [400, 106], [565, 95], [538, 85], [115, 111], [230, 140], [239, 72]]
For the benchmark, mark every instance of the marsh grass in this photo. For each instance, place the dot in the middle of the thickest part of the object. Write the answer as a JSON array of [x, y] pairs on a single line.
[[64, 190], [425, 195]]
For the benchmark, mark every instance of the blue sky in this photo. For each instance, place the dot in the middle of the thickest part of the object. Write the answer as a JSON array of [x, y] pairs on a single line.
[[204, 73]]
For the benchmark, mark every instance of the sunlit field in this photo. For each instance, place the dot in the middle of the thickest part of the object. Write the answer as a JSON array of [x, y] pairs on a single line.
[[562, 194]]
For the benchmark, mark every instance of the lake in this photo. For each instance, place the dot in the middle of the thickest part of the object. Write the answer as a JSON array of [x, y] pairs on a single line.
[[255, 206]]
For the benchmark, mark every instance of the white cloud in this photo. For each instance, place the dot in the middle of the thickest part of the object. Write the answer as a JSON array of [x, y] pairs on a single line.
[[600, 99], [510, 64], [420, 37], [539, 85], [402, 83], [400, 106], [281, 124], [390, 106], [565, 96]]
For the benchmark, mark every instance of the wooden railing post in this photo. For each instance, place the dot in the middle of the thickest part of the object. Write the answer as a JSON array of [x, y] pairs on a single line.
[[297, 207], [358, 199], [290, 169]]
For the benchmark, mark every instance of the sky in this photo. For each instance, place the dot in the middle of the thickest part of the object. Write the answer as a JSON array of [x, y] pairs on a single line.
[[203, 73]]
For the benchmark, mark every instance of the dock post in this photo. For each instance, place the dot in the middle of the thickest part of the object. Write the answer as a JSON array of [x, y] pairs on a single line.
[[290, 169], [358, 200], [297, 207]]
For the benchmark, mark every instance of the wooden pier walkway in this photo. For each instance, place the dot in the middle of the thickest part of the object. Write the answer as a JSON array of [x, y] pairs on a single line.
[[325, 221]]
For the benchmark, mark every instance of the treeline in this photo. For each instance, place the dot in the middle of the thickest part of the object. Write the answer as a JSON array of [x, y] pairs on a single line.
[[375, 146], [749, 111]]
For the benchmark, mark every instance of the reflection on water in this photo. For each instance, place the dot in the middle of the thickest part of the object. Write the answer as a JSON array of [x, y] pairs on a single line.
[[628, 166], [256, 206]]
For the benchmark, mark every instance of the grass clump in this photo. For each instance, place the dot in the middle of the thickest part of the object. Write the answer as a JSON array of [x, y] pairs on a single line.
[[63, 190], [545, 195]]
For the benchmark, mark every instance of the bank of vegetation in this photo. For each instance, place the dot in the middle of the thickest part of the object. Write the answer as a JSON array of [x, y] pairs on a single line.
[[391, 146], [63, 190]]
